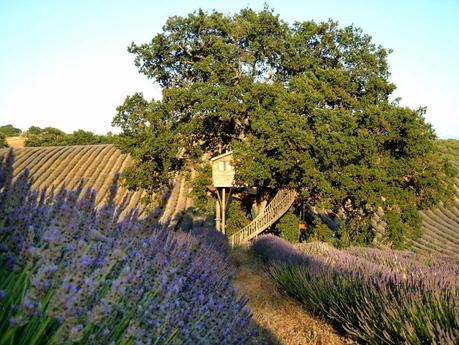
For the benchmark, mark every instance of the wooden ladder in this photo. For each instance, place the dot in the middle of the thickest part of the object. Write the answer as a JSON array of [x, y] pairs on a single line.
[[276, 209]]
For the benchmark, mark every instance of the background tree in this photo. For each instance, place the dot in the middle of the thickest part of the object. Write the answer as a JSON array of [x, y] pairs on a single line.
[[34, 130], [10, 131], [288, 227], [81, 137], [48, 136], [51, 136], [3, 142], [303, 106]]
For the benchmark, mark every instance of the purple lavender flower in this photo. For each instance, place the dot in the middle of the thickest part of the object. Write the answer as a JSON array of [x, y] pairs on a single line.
[[85, 260], [366, 294], [88, 269]]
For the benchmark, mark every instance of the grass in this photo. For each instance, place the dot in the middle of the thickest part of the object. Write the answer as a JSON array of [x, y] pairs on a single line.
[[16, 142]]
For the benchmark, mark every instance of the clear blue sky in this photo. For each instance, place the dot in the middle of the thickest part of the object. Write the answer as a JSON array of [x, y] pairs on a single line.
[[65, 64]]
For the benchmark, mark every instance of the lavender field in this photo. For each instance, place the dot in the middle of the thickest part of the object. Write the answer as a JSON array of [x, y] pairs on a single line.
[[375, 296], [75, 273]]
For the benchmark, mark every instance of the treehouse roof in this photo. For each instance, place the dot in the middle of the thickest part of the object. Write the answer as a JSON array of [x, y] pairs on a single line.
[[221, 156]]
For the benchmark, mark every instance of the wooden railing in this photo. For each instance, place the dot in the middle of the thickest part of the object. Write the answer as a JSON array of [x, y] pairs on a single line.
[[276, 209]]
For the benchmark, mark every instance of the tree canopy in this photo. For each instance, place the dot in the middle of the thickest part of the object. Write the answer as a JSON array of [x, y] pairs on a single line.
[[10, 130], [50, 136], [303, 105], [3, 142]]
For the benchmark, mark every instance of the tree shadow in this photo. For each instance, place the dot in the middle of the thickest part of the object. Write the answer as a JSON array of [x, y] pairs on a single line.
[[264, 337], [190, 219]]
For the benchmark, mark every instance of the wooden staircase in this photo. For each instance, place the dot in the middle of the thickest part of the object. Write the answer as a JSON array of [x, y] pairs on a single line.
[[276, 209]]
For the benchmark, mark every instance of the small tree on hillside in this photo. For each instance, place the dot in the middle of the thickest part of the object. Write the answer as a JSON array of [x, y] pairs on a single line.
[[288, 227], [3, 142], [303, 106], [49, 136], [81, 137], [10, 131], [34, 130]]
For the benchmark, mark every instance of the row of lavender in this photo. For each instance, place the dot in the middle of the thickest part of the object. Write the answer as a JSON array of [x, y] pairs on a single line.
[[72, 273], [377, 297]]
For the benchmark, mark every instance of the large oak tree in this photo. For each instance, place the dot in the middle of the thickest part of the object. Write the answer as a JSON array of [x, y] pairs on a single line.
[[303, 105]]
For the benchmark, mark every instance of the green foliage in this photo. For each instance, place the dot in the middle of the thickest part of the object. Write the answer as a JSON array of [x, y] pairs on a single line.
[[3, 142], [238, 217], [319, 231], [151, 139], [81, 137], [50, 136], [34, 130], [303, 106], [201, 182], [10, 131], [288, 226]]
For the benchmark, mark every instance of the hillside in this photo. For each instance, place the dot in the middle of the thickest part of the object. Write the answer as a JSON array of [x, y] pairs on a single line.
[[96, 165], [440, 225]]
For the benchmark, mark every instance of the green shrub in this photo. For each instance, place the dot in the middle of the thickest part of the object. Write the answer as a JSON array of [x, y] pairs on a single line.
[[34, 130], [319, 231], [51, 136], [202, 201], [3, 142], [10, 131], [288, 227], [237, 217]]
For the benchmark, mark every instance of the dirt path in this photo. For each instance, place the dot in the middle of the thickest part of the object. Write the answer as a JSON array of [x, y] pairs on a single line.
[[281, 319]]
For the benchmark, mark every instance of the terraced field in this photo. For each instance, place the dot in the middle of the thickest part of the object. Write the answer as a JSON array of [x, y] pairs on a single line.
[[96, 165], [440, 225]]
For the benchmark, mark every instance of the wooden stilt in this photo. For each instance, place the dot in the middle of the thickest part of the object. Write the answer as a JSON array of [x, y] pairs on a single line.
[[223, 211], [217, 214]]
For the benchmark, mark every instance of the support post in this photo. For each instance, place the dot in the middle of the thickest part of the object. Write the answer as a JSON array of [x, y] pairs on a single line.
[[217, 214], [223, 211]]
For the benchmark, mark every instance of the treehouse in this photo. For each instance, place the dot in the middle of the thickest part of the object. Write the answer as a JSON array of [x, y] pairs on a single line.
[[222, 170], [222, 178], [223, 182]]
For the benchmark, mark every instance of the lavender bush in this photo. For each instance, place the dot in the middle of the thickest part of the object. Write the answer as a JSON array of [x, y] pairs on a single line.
[[406, 261], [400, 261], [373, 302], [71, 273]]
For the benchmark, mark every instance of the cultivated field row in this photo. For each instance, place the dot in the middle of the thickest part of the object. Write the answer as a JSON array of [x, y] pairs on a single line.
[[440, 227], [95, 166]]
